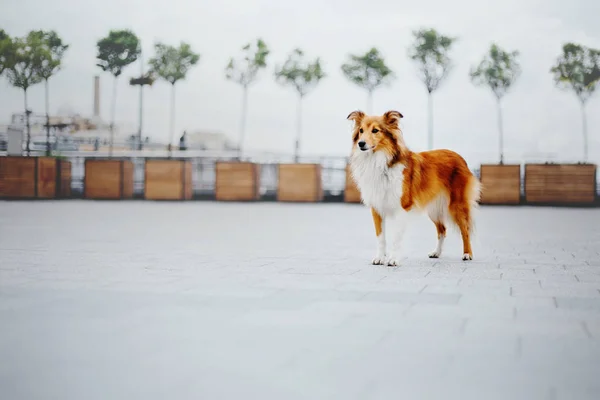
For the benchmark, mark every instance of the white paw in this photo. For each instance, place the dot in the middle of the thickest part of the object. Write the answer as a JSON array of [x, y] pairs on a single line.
[[467, 257], [379, 260], [393, 262], [435, 254]]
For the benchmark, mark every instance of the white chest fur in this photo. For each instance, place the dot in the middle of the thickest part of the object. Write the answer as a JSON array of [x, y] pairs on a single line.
[[380, 186]]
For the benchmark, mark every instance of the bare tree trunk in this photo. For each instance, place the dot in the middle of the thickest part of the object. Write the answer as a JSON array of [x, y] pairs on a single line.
[[47, 120], [172, 125], [112, 118], [243, 120], [430, 121], [500, 131], [141, 112], [584, 131], [369, 101], [27, 146], [298, 130]]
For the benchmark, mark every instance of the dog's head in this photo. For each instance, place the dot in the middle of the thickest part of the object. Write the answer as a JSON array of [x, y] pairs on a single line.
[[373, 133]]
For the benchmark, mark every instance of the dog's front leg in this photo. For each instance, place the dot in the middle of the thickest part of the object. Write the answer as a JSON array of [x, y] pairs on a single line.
[[397, 224], [379, 223]]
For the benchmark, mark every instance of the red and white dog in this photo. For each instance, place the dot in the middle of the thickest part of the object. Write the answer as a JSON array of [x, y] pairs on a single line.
[[394, 181]]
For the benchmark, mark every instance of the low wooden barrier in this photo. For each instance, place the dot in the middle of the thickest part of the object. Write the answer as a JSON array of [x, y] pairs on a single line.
[[351, 191], [237, 181], [168, 180], [501, 184], [34, 177], [299, 183], [560, 183], [65, 174], [108, 179]]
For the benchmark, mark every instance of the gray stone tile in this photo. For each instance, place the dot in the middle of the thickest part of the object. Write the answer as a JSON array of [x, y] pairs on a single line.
[[579, 303], [187, 303]]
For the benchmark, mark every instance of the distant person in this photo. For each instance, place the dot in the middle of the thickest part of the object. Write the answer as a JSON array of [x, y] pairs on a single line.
[[182, 144], [96, 144]]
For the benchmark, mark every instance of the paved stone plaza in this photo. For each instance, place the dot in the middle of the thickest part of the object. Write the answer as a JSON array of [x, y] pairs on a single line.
[[201, 300]]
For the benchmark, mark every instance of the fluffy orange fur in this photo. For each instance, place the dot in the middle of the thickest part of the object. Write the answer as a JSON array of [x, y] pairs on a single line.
[[427, 175]]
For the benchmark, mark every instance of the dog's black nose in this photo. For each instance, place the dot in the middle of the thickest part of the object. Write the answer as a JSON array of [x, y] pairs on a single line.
[[362, 144]]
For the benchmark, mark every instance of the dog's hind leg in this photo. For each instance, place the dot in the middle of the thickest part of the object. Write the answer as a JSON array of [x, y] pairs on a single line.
[[437, 213], [461, 214]]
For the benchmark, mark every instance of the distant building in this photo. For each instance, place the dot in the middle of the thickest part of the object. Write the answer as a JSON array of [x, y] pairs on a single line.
[[203, 140]]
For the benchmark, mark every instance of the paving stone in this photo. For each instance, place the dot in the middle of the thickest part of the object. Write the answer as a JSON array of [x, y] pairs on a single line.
[[520, 274], [279, 301], [582, 303]]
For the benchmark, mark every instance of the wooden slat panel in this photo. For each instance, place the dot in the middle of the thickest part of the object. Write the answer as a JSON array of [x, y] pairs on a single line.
[[236, 181], [65, 178], [300, 182], [17, 177], [46, 179], [164, 180], [189, 183], [127, 179], [351, 191], [560, 183], [102, 179], [501, 184]]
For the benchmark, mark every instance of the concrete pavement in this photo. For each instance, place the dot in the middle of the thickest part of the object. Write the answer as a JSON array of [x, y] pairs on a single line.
[[203, 300]]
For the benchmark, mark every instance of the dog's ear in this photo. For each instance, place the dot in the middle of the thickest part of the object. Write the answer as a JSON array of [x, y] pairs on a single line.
[[356, 116], [392, 117]]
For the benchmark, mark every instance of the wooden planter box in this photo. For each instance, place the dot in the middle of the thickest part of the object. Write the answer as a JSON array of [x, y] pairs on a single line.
[[560, 183], [237, 181], [168, 180], [108, 179], [300, 183], [65, 178], [34, 177], [500, 184], [351, 191]]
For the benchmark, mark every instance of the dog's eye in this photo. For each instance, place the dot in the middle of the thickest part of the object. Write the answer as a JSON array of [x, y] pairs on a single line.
[[361, 130], [375, 130]]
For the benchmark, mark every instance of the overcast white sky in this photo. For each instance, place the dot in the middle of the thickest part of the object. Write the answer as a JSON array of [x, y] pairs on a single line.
[[538, 117]]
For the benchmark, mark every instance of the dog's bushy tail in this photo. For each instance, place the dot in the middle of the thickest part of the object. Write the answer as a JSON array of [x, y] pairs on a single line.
[[473, 196]]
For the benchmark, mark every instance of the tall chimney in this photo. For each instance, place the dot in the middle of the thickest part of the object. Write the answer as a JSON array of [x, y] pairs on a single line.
[[96, 96]]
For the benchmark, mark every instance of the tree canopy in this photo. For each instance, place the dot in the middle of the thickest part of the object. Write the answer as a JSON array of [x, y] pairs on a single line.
[[55, 50], [577, 69], [28, 55], [368, 71], [430, 50], [116, 51], [6, 51], [245, 70], [299, 73], [172, 63], [498, 70]]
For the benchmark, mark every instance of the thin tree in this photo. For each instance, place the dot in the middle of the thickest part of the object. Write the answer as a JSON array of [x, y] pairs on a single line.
[[24, 70], [115, 52], [578, 69], [430, 51], [244, 72], [498, 70], [51, 63], [303, 76], [144, 79], [368, 71], [172, 64]]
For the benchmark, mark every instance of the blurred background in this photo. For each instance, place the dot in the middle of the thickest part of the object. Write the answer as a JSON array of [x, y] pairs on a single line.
[[541, 121]]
